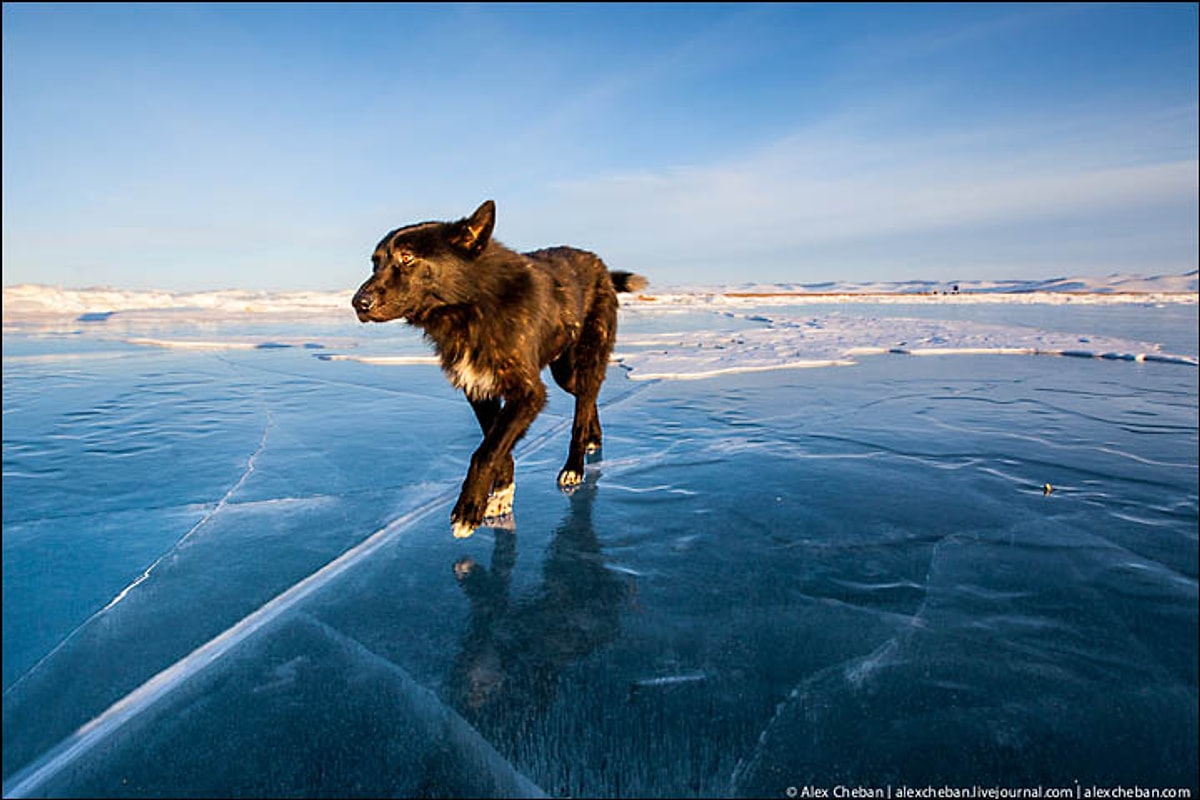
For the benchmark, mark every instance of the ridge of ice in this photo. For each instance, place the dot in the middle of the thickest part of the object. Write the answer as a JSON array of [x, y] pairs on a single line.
[[28, 298], [788, 342]]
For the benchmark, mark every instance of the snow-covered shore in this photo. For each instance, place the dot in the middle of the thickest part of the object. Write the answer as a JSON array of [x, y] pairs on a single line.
[[38, 299]]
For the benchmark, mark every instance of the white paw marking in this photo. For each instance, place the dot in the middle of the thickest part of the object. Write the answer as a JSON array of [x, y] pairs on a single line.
[[462, 530], [569, 477], [500, 501]]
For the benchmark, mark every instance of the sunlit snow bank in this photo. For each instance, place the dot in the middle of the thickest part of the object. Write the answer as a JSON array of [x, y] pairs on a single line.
[[708, 343], [786, 342], [37, 299], [666, 334], [1082, 291], [1112, 284]]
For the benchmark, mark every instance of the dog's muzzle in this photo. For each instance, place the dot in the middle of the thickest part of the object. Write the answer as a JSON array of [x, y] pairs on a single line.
[[364, 300]]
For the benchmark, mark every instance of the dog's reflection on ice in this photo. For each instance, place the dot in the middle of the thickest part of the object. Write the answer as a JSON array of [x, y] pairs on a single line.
[[514, 650]]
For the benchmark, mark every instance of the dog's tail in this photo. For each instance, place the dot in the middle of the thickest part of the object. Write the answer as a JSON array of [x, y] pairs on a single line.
[[627, 281]]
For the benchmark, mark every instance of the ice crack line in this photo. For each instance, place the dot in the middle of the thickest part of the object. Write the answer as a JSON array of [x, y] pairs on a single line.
[[30, 780], [220, 505], [262, 443], [854, 672]]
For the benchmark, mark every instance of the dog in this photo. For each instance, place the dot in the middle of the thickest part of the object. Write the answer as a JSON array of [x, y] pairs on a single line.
[[496, 318]]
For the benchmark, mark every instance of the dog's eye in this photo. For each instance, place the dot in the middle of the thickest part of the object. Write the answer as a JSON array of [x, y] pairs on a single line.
[[406, 258]]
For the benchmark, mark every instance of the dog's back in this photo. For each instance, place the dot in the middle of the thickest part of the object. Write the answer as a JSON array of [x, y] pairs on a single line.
[[587, 268]]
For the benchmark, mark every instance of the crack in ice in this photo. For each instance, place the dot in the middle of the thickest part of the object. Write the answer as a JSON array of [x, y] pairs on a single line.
[[262, 443], [121, 595], [29, 780]]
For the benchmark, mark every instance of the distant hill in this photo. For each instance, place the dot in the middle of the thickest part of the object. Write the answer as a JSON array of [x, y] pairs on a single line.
[[1187, 283]]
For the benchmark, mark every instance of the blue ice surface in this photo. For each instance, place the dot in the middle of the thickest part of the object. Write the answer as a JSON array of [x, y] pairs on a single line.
[[230, 572]]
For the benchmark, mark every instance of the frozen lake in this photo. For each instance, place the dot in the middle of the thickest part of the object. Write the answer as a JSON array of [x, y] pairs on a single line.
[[228, 568]]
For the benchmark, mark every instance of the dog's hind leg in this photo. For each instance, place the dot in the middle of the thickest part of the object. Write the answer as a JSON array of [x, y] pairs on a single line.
[[585, 439], [581, 371], [500, 500]]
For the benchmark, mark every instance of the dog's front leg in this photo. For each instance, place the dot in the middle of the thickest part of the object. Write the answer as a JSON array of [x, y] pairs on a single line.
[[493, 456], [500, 499]]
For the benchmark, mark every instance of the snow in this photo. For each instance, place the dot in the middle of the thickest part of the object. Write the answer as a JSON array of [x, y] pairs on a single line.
[[779, 334], [26, 299]]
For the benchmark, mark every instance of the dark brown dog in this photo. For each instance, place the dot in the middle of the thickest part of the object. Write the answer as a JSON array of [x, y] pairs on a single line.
[[496, 318]]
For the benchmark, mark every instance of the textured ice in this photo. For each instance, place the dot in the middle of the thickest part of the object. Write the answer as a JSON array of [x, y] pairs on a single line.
[[228, 569], [783, 341]]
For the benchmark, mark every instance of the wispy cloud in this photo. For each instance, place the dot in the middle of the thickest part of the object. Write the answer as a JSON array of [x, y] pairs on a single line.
[[829, 186]]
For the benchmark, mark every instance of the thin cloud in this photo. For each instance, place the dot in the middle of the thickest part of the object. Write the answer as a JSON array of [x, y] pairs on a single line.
[[832, 187]]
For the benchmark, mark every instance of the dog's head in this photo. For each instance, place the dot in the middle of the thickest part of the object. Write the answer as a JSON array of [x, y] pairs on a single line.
[[421, 268]]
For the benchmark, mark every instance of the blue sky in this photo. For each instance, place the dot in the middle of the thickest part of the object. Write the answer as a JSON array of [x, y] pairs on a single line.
[[270, 146]]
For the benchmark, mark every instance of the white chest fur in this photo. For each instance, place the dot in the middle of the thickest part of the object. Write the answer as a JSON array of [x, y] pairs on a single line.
[[477, 382]]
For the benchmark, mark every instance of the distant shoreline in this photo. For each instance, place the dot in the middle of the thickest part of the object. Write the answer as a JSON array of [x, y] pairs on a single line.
[[32, 300], [1076, 297], [1079, 292]]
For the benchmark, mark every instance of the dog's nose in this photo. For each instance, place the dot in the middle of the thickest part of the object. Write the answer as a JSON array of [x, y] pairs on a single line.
[[363, 301]]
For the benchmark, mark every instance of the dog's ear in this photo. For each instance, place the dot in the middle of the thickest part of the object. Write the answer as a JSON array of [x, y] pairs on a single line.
[[474, 233]]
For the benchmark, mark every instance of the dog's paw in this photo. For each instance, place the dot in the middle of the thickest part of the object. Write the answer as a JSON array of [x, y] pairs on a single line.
[[467, 514], [569, 480], [500, 502]]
